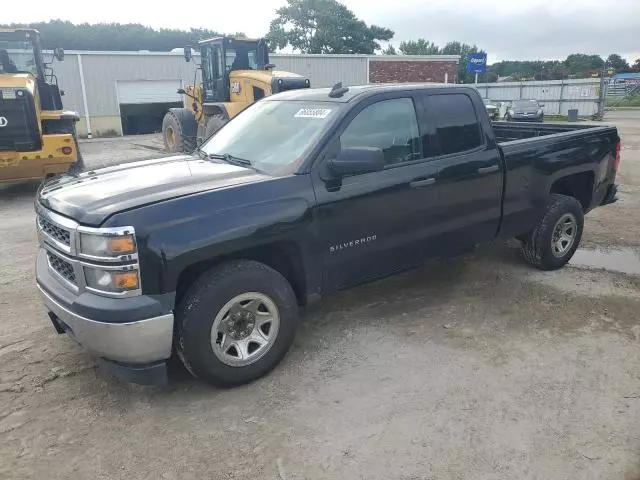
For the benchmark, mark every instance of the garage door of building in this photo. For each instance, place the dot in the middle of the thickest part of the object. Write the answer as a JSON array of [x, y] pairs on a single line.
[[149, 91]]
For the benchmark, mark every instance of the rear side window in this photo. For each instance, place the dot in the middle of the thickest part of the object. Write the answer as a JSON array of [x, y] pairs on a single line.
[[457, 127]]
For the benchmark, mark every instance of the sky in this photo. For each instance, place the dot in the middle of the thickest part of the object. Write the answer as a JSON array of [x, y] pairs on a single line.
[[506, 29]]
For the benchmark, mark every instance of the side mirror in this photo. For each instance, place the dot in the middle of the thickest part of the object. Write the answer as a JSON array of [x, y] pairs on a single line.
[[188, 54], [58, 52], [357, 160]]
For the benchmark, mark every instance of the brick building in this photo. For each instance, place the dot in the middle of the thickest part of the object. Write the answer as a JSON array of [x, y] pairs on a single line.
[[401, 69]]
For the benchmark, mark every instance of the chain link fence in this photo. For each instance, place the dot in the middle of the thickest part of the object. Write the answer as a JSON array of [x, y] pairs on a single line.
[[587, 95]]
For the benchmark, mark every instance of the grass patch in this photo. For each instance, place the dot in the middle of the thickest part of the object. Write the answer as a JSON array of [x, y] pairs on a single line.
[[630, 101], [556, 118]]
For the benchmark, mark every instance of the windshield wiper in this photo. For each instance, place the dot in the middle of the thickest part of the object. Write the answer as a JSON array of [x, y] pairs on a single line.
[[201, 153], [230, 159]]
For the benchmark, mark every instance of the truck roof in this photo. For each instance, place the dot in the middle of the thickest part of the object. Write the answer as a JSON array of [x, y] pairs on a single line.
[[322, 94]]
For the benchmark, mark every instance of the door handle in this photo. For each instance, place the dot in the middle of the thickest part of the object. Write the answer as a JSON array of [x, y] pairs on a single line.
[[491, 169], [422, 183]]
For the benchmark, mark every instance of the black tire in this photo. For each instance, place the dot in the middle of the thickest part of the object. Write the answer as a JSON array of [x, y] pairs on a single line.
[[77, 166], [204, 300], [538, 246], [214, 123], [179, 130]]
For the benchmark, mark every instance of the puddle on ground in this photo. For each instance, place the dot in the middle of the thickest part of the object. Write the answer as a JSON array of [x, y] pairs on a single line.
[[623, 260]]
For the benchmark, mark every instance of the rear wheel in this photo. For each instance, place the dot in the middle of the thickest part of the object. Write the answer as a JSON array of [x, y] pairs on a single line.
[[236, 322], [179, 131], [555, 239]]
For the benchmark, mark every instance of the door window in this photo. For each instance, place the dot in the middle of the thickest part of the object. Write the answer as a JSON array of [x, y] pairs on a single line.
[[457, 127], [390, 125]]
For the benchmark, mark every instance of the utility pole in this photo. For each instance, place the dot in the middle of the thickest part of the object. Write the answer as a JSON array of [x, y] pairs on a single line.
[[601, 94]]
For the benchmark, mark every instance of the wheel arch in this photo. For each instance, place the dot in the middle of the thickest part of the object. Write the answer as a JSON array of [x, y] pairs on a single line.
[[283, 256], [577, 185]]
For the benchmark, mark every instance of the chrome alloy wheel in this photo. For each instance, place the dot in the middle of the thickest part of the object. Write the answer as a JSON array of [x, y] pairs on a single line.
[[564, 235], [245, 329]]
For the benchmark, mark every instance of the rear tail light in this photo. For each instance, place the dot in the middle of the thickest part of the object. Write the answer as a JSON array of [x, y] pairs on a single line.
[[67, 150], [616, 162]]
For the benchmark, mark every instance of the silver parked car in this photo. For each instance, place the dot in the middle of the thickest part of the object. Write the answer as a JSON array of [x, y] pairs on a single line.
[[493, 108], [525, 111]]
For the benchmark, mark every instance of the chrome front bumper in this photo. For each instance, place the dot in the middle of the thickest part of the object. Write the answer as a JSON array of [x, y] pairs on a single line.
[[140, 342]]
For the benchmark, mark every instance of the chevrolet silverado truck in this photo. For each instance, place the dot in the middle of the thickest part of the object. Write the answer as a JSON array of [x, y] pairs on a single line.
[[207, 257]]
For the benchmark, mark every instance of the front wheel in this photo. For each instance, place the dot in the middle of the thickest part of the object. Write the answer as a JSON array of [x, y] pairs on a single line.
[[179, 130], [557, 235], [236, 323]]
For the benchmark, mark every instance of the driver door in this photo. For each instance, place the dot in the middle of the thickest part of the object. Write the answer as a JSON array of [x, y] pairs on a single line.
[[374, 224], [215, 87]]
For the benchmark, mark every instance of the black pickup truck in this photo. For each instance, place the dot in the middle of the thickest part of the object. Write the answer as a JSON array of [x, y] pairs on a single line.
[[207, 257]]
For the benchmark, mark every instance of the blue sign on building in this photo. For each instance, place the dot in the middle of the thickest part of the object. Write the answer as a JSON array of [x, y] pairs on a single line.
[[477, 63]]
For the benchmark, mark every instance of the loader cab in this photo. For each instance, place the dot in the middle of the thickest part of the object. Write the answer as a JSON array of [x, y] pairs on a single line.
[[221, 56], [20, 53]]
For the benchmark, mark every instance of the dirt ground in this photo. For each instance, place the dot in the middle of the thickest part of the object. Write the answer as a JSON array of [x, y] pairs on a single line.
[[474, 368]]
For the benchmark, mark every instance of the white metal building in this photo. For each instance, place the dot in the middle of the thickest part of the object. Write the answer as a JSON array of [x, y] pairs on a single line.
[[129, 92]]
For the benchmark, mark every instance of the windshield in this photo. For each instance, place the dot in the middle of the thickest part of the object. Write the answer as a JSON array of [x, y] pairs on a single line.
[[17, 56], [525, 104], [241, 59], [272, 135]]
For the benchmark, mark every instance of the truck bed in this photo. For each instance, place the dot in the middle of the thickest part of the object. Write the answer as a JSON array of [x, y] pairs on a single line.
[[536, 155], [510, 131]]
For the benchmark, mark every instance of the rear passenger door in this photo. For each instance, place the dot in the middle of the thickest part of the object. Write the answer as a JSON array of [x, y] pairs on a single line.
[[470, 172]]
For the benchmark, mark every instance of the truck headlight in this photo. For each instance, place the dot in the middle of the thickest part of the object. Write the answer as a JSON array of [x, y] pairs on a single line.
[[111, 281], [107, 243]]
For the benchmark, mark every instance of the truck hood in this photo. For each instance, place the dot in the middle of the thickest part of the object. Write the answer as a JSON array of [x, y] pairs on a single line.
[[91, 197]]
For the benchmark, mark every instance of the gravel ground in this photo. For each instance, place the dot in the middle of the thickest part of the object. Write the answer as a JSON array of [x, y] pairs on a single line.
[[478, 367]]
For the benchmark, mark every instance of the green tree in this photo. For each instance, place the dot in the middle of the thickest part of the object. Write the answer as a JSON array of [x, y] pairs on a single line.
[[323, 26], [419, 47], [617, 63], [636, 65], [492, 77], [581, 65], [114, 36], [462, 49], [390, 50]]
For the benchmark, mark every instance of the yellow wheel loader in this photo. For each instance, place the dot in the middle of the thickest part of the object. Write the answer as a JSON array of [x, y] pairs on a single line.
[[235, 73], [37, 137]]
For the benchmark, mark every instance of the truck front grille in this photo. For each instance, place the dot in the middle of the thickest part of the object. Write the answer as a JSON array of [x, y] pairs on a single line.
[[55, 232], [62, 267]]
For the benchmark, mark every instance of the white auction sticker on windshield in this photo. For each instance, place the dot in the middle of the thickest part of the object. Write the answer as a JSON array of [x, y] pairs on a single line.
[[313, 113]]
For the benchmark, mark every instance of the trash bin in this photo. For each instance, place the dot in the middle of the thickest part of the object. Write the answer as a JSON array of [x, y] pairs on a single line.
[[573, 114]]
